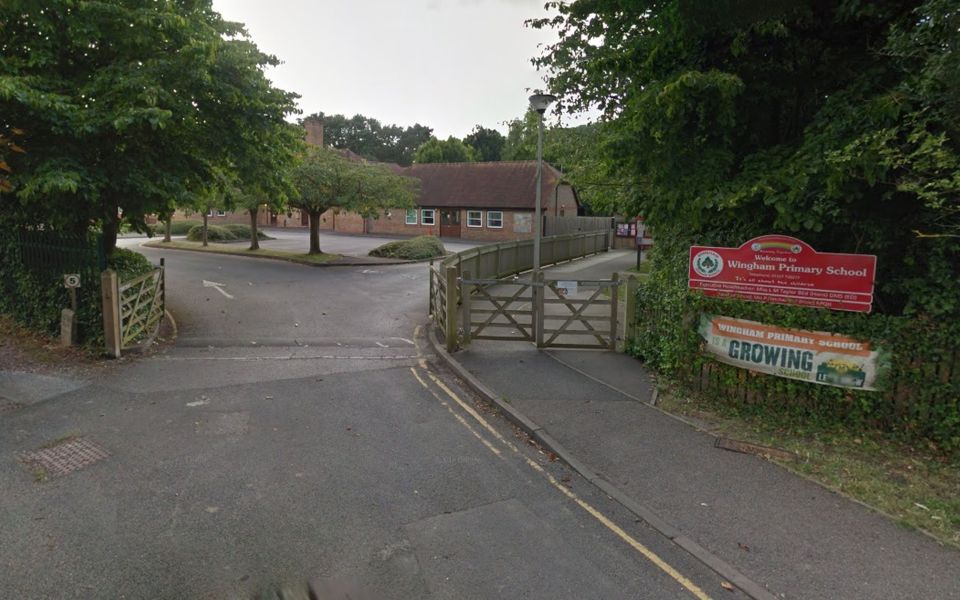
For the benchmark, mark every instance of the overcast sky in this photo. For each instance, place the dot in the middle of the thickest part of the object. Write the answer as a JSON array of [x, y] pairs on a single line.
[[447, 64]]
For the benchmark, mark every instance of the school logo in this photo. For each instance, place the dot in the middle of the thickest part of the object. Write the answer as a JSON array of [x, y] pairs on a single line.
[[707, 264]]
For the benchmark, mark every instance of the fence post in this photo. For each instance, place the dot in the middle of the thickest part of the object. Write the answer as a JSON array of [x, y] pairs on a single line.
[[430, 301], [538, 306], [110, 295], [163, 284], [614, 309], [451, 309], [465, 289], [630, 312]]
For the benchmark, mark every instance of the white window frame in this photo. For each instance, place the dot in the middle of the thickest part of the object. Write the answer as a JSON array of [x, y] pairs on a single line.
[[425, 220], [479, 218], [210, 212], [495, 212], [221, 213], [411, 212]]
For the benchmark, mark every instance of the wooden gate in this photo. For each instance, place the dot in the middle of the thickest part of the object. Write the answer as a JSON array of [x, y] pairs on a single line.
[[553, 314], [132, 310], [579, 314], [498, 309]]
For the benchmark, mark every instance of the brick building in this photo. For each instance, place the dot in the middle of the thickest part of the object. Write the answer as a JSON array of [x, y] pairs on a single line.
[[477, 201]]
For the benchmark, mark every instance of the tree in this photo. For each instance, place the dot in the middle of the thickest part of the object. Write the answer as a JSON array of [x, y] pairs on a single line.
[[326, 179], [372, 140], [450, 150], [488, 143], [521, 140], [128, 106], [832, 121]]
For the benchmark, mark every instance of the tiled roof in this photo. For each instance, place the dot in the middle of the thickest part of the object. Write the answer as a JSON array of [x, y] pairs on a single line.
[[505, 184]]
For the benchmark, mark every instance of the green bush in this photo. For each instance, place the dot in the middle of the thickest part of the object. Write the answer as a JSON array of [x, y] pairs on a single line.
[[418, 248], [215, 233], [31, 279], [243, 231], [129, 264], [176, 227], [919, 399]]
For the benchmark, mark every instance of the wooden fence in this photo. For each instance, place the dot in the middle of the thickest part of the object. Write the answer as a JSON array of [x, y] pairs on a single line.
[[132, 310], [563, 225]]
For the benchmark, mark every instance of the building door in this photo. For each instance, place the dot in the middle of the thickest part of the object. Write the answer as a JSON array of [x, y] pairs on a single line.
[[449, 222]]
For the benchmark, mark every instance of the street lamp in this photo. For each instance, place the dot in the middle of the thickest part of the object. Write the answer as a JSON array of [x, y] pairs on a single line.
[[539, 103]]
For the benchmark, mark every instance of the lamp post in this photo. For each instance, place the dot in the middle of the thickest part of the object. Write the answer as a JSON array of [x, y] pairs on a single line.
[[539, 103]]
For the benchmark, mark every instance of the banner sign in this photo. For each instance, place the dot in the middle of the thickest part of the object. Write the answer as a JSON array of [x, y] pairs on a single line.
[[784, 270], [814, 356]]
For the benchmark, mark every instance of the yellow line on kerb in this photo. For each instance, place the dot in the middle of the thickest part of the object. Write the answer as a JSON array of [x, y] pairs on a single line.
[[593, 512]]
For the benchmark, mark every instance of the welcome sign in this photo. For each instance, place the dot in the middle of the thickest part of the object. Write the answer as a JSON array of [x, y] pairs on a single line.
[[784, 270], [814, 356]]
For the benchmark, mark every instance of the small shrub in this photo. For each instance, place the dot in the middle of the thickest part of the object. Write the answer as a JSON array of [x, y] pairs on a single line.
[[128, 264], [176, 227], [418, 248], [215, 233], [242, 232]]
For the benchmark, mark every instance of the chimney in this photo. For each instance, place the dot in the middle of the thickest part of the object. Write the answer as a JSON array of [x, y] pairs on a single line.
[[314, 129]]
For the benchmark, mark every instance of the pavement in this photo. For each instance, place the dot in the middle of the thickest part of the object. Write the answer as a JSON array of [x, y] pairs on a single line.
[[772, 533], [300, 430]]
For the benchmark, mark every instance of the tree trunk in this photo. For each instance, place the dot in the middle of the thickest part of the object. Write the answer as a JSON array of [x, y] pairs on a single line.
[[254, 241], [167, 226], [205, 228], [109, 228], [315, 232]]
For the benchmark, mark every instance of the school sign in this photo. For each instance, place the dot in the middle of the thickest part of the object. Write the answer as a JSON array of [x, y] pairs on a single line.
[[813, 356], [784, 270]]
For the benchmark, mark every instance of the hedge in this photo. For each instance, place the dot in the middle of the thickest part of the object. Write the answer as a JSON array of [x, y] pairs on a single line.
[[418, 248], [919, 396]]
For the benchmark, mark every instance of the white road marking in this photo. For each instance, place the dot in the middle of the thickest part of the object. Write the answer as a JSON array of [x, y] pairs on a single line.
[[381, 345], [218, 287]]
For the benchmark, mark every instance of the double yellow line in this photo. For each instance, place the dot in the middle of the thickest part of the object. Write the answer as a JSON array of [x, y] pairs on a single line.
[[586, 506]]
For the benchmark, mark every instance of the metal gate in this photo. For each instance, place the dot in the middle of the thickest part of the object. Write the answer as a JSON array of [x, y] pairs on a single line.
[[551, 313]]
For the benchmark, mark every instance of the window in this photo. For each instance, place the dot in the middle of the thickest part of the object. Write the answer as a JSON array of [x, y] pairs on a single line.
[[495, 219], [221, 213], [210, 213], [474, 218], [427, 216], [411, 216]]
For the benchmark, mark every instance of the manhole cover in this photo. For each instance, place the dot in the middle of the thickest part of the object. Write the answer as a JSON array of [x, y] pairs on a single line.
[[64, 457], [9, 405]]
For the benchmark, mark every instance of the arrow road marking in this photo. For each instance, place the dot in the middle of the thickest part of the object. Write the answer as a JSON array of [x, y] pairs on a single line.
[[218, 287]]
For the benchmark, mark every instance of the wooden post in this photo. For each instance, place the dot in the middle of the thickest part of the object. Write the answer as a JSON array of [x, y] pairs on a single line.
[[614, 309], [430, 297], [538, 307], [110, 294], [451, 309], [163, 284], [630, 312], [465, 289]]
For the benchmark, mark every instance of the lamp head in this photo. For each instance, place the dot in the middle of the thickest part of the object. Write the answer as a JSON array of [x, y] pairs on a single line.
[[540, 102]]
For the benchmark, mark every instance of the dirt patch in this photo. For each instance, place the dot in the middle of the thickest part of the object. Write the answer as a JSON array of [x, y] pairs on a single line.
[[27, 351]]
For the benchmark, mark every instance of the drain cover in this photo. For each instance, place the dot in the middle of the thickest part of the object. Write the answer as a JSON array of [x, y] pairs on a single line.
[[64, 457], [9, 405]]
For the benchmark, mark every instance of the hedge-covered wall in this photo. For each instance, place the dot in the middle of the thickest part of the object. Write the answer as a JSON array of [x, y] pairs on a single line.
[[32, 265], [919, 397]]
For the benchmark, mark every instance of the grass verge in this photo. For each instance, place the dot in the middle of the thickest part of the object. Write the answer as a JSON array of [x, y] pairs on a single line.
[[307, 259], [917, 487]]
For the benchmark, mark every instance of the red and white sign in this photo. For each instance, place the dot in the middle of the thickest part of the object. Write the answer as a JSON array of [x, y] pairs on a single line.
[[784, 270]]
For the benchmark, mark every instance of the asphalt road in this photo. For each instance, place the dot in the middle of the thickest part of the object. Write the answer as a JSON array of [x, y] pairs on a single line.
[[299, 431]]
